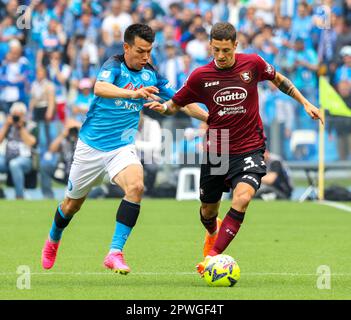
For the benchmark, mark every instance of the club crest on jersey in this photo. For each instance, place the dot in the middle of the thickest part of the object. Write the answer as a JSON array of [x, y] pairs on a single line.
[[145, 76], [269, 69], [246, 76]]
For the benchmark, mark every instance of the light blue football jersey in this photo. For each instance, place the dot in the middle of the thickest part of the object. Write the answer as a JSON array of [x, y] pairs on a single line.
[[113, 123]]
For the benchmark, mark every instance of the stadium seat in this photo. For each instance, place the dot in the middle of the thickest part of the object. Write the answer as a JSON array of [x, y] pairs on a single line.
[[30, 179], [303, 144], [185, 191]]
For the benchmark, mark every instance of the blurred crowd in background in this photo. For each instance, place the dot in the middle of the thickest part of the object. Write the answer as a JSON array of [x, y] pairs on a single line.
[[51, 51]]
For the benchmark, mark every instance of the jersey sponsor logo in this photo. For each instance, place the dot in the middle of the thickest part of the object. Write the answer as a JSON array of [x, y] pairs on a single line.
[[130, 86], [231, 110], [105, 74], [211, 84], [230, 96], [133, 106], [246, 76]]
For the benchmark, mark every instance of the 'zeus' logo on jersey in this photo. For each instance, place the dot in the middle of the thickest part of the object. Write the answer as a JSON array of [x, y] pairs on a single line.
[[230, 96], [211, 84]]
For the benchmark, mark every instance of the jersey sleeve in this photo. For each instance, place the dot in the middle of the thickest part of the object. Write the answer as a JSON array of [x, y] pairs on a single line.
[[265, 70], [166, 90], [189, 92], [109, 72]]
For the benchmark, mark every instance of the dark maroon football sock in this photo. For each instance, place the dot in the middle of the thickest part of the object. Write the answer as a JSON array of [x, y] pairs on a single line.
[[209, 224], [229, 228]]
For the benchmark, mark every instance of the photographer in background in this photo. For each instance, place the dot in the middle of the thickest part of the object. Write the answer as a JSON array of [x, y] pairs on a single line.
[[276, 184], [21, 138], [56, 163]]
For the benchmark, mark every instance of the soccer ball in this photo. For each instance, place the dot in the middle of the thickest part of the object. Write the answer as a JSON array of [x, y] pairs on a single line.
[[221, 271]]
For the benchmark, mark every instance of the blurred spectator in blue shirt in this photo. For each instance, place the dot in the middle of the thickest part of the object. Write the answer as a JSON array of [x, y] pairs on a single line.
[[264, 9], [42, 106], [174, 13], [78, 7], [343, 39], [198, 49], [62, 14], [90, 26], [78, 44], [347, 11], [171, 68], [115, 47], [59, 73], [83, 100], [277, 110], [326, 44], [302, 63], [8, 32], [14, 77], [40, 16], [52, 39], [265, 50], [283, 33], [198, 6], [84, 70], [248, 25], [302, 23], [343, 73]]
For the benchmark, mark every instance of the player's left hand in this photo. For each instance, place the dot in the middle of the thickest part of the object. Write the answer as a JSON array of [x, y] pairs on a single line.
[[313, 112]]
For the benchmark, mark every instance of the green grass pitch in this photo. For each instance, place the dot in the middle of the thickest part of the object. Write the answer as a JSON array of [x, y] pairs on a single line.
[[279, 248]]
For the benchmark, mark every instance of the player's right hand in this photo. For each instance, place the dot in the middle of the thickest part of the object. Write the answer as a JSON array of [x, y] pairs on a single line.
[[146, 93], [155, 106]]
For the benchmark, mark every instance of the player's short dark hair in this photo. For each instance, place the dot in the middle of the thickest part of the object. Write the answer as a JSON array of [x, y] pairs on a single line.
[[142, 31], [223, 31]]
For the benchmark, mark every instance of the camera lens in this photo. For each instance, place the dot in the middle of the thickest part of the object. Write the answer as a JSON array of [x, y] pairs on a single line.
[[15, 118]]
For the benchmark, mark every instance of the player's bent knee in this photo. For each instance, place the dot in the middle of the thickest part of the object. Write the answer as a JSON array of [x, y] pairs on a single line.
[[71, 206], [208, 210], [243, 199], [135, 189]]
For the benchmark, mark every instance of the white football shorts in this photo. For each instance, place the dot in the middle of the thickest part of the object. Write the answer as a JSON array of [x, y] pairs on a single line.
[[89, 167]]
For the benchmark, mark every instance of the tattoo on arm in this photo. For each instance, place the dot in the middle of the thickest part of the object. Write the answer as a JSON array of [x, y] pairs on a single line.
[[287, 87]]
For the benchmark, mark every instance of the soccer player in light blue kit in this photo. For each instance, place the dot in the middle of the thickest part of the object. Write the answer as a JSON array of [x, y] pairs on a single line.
[[106, 142]]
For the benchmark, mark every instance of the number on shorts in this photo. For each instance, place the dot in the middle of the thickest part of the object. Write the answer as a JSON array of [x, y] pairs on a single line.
[[250, 163]]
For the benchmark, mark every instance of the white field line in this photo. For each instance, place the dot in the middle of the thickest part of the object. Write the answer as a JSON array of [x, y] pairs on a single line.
[[336, 205], [288, 274]]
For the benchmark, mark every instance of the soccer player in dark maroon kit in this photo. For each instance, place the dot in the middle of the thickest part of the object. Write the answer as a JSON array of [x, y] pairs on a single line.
[[228, 87]]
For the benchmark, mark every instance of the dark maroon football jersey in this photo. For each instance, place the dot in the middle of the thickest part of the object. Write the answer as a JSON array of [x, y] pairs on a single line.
[[232, 100]]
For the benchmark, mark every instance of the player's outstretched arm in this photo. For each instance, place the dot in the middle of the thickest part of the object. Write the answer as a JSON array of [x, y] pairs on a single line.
[[286, 86], [170, 108], [108, 90], [194, 110]]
